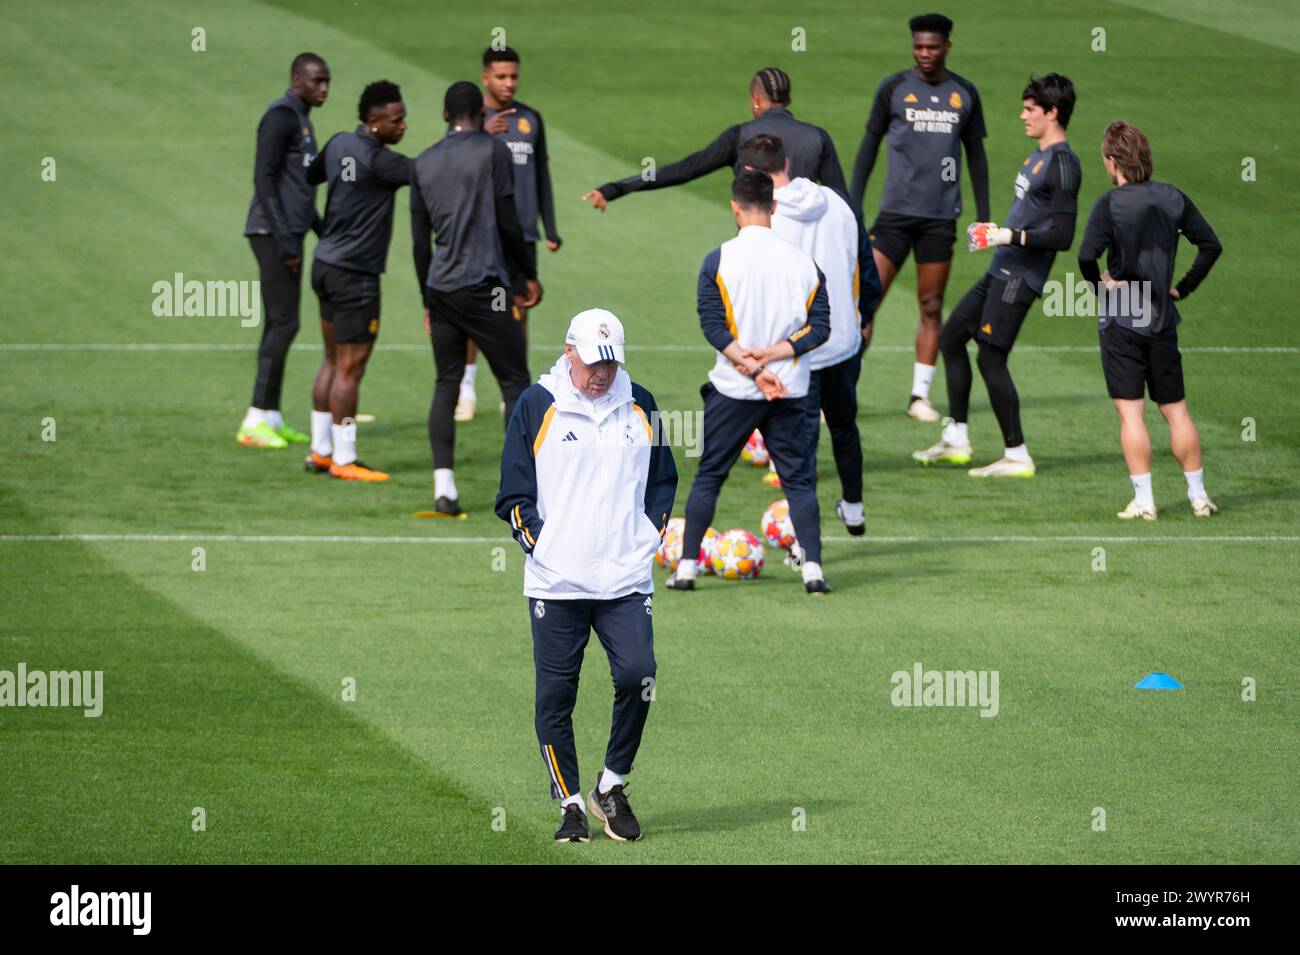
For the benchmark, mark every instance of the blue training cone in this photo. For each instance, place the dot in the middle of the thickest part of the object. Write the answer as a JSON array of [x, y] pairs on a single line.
[[1157, 681]]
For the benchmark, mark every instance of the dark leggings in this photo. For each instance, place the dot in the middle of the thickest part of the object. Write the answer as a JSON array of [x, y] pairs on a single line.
[[993, 369], [281, 288]]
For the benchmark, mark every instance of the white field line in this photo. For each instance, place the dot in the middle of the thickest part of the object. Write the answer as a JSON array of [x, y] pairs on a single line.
[[360, 539], [701, 348]]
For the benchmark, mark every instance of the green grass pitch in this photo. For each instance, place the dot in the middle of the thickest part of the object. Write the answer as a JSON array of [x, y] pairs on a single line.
[[222, 687]]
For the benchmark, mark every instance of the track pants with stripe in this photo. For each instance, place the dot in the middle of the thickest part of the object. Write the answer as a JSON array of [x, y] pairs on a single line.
[[789, 427], [836, 390], [561, 629]]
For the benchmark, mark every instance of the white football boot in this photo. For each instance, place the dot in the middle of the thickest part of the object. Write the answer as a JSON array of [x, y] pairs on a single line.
[[466, 407], [1004, 468], [1146, 512], [922, 410], [1203, 507]]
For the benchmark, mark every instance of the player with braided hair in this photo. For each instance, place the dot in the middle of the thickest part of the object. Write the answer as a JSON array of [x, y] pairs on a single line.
[[811, 152]]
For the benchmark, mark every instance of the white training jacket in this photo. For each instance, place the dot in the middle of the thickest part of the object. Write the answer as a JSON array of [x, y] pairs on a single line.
[[587, 486]]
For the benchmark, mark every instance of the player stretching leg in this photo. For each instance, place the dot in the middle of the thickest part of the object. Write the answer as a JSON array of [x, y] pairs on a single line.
[[926, 115], [1137, 226], [1040, 224]]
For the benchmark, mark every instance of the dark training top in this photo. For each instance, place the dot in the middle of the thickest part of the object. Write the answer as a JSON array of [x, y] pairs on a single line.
[[1042, 218], [809, 148], [526, 137], [925, 126], [363, 179], [463, 190], [284, 203], [1137, 226]]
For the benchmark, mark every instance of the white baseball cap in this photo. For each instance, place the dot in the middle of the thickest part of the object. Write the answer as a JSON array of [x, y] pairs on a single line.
[[596, 335]]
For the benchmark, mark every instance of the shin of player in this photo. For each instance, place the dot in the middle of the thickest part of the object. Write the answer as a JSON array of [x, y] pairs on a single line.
[[283, 208], [585, 448], [1040, 224], [926, 115], [763, 304], [1137, 226], [363, 174]]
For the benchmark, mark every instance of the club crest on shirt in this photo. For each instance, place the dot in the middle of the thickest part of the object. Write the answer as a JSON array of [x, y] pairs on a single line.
[[955, 100], [525, 127], [1037, 166]]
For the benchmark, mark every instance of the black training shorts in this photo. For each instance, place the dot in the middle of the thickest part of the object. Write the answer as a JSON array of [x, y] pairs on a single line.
[[895, 235], [349, 301], [1132, 362]]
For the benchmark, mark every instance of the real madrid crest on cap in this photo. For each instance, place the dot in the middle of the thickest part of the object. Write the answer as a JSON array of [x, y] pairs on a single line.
[[603, 330]]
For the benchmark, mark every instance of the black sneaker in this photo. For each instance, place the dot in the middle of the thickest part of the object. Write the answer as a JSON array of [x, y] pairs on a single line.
[[612, 809], [448, 506], [573, 827], [679, 583], [817, 586]]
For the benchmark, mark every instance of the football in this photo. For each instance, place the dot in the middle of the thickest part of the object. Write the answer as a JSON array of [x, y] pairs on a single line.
[[755, 451], [737, 555], [777, 528], [669, 552]]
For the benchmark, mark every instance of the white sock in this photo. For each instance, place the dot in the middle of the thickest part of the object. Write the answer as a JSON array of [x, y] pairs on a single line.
[[345, 443], [685, 569], [1019, 453], [444, 484], [811, 571], [467, 381], [321, 422], [608, 780], [252, 418], [1142, 492], [274, 419], [852, 512], [1195, 484], [954, 433], [573, 801], [922, 375]]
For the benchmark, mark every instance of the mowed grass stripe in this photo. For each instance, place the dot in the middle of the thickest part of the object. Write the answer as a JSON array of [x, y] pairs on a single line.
[[285, 771]]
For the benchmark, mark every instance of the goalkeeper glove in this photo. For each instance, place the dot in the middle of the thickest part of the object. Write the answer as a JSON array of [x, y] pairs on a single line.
[[986, 235]]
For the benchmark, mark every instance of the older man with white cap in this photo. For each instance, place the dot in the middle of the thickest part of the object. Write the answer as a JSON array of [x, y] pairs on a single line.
[[587, 484]]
